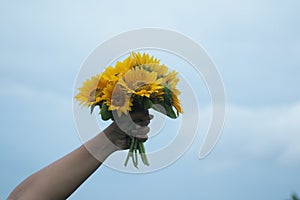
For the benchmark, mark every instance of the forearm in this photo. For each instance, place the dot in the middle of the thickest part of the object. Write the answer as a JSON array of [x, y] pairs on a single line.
[[60, 179]]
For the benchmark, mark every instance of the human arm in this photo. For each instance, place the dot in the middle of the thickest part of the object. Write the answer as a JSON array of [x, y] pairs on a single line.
[[61, 178]]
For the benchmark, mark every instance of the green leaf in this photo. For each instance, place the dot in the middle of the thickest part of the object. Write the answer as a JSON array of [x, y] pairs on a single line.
[[147, 103], [170, 111], [167, 95], [105, 113]]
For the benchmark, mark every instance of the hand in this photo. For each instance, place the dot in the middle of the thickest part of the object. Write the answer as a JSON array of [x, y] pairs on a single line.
[[136, 125]]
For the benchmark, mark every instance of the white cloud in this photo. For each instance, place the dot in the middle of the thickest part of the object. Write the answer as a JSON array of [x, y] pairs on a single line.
[[263, 133]]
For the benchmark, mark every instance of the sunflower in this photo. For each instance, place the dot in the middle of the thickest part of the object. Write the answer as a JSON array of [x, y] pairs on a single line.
[[117, 99], [114, 73], [161, 70], [176, 103], [142, 59], [141, 82], [120, 87], [102, 82], [134, 60], [128, 63], [89, 94], [170, 81]]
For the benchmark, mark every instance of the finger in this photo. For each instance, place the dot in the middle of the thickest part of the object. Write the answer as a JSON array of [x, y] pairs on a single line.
[[142, 138], [140, 114], [143, 130], [137, 126], [144, 120]]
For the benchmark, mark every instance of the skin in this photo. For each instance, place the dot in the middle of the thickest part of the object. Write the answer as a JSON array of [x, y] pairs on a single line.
[[61, 178]]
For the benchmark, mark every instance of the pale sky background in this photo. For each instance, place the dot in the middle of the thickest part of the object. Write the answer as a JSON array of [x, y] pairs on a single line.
[[255, 45]]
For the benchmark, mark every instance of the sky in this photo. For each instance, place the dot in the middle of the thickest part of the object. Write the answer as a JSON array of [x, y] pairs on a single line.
[[254, 44]]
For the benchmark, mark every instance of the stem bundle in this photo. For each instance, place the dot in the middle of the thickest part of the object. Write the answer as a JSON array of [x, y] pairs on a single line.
[[136, 148]]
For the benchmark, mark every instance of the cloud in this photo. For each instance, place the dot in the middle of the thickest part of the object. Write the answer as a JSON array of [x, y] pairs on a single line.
[[260, 134], [255, 45]]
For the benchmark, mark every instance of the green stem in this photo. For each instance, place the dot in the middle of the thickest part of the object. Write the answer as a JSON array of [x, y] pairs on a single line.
[[144, 152], [135, 158], [130, 151], [141, 152], [136, 148]]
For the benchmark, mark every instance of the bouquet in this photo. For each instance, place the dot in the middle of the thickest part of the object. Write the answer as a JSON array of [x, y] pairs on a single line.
[[139, 81]]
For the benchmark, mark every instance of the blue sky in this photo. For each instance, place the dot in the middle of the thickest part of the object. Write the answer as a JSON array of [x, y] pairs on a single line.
[[254, 44]]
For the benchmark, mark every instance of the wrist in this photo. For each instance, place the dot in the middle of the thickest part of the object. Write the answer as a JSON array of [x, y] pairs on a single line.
[[116, 136], [101, 146]]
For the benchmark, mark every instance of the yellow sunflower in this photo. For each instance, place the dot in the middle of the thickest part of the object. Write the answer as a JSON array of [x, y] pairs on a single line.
[[128, 63], [149, 63], [142, 59], [113, 73], [138, 74], [117, 99], [170, 81], [161, 70], [89, 93], [141, 82], [102, 82], [133, 60], [176, 103]]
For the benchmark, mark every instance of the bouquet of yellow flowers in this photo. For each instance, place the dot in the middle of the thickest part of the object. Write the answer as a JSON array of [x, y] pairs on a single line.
[[139, 81]]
